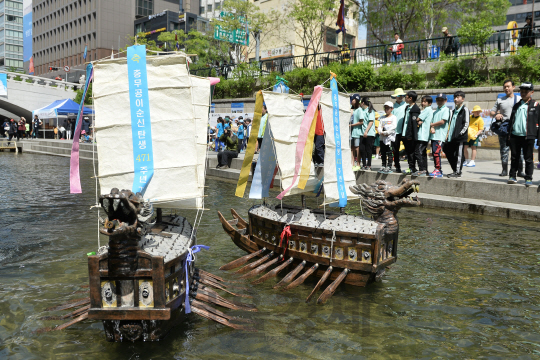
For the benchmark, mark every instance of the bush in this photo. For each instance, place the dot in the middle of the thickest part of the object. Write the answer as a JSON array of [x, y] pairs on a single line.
[[456, 73]]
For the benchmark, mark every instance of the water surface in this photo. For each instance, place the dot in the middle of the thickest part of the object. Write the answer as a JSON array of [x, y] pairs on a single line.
[[465, 286]]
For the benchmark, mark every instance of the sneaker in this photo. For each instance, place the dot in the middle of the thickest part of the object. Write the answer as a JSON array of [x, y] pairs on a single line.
[[436, 174], [356, 168], [504, 173], [454, 175], [407, 172], [465, 162], [419, 173], [389, 170], [366, 168], [528, 183], [383, 170], [470, 164], [512, 180]]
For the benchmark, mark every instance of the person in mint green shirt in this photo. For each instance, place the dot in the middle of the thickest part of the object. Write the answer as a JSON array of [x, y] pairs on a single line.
[[399, 113], [438, 130], [356, 130], [424, 125], [522, 133], [368, 133]]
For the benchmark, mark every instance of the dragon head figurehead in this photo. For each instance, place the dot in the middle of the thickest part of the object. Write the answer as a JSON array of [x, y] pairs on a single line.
[[127, 215], [383, 200]]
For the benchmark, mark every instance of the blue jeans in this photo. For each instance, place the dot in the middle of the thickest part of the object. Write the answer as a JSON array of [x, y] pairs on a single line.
[[395, 57]]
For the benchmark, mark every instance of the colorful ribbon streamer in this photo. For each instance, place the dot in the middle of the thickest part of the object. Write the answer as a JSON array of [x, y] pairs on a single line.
[[189, 259], [337, 139], [250, 150], [303, 134], [74, 175], [308, 152], [141, 127]]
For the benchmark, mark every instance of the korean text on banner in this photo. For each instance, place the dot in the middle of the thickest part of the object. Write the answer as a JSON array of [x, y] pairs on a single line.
[[337, 136], [141, 129]]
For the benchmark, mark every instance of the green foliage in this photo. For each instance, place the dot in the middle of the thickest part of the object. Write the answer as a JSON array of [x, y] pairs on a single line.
[[391, 77], [87, 99], [457, 73], [477, 33]]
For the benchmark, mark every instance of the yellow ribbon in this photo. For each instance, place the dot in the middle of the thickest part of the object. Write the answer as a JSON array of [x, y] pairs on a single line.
[[250, 149], [308, 152]]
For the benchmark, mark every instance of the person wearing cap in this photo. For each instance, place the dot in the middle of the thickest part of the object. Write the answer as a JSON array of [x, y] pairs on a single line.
[[387, 134], [476, 128], [438, 130], [36, 124], [409, 133], [458, 133], [422, 138], [356, 132], [501, 111], [450, 43], [526, 35], [399, 113], [523, 131]]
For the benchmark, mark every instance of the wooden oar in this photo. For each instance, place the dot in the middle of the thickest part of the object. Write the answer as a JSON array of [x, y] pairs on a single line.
[[261, 268], [215, 277], [254, 264], [274, 272], [241, 261], [290, 276], [219, 319], [70, 315], [222, 284], [330, 290], [217, 286], [211, 293], [208, 308], [82, 317], [301, 278], [321, 281], [71, 304]]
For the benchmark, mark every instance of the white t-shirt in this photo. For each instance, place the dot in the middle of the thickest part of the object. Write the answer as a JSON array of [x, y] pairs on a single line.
[[395, 46], [387, 129]]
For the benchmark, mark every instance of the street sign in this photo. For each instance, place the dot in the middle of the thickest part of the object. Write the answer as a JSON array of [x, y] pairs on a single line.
[[66, 68], [237, 36]]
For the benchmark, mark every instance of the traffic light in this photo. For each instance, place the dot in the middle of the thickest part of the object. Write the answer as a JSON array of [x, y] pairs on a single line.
[[51, 68]]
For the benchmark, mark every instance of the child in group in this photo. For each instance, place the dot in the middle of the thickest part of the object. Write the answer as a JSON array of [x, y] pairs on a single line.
[[424, 125], [377, 142], [457, 135], [476, 128], [438, 130], [387, 135], [356, 127], [410, 130], [368, 133]]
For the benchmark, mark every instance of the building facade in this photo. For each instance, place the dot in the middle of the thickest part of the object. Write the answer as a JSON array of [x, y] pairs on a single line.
[[63, 28], [11, 34]]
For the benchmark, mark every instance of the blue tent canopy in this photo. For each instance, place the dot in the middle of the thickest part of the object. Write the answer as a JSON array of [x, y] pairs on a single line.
[[60, 107]]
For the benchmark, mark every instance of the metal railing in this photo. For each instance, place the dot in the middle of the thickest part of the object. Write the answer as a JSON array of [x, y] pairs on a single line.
[[501, 43]]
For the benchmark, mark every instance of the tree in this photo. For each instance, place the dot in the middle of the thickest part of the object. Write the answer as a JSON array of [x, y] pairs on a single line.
[[87, 99], [310, 19]]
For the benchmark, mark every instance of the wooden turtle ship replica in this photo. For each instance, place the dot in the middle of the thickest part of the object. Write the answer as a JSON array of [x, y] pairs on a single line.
[[329, 245], [145, 281]]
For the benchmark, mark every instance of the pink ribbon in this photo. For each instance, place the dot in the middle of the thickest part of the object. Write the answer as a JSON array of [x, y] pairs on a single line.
[[302, 136]]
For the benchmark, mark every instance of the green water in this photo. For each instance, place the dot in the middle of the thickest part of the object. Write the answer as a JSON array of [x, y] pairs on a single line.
[[464, 286]]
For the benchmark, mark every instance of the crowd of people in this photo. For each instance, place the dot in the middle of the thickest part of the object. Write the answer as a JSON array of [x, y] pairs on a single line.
[[24, 129]]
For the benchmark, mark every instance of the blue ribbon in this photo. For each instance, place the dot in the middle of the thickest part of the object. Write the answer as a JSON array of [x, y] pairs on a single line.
[[337, 139], [189, 259], [141, 129], [281, 87]]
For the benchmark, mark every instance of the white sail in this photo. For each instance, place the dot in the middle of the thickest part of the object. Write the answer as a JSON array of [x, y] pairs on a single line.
[[285, 114], [179, 105], [330, 174]]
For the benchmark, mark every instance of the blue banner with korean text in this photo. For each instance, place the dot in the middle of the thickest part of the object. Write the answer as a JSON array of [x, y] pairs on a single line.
[[337, 139], [141, 129]]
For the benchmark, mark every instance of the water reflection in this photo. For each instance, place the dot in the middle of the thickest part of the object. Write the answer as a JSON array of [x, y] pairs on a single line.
[[463, 287]]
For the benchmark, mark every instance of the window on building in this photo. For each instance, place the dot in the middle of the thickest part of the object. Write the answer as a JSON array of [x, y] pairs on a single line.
[[14, 5], [173, 26], [145, 7], [209, 7], [349, 39], [217, 6], [201, 10], [138, 28], [331, 37]]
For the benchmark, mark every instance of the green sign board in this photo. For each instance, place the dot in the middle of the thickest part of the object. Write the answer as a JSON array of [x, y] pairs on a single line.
[[238, 36]]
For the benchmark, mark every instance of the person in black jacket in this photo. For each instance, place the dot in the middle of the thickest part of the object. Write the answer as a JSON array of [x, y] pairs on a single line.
[[527, 36], [522, 132], [458, 133], [12, 129], [409, 134]]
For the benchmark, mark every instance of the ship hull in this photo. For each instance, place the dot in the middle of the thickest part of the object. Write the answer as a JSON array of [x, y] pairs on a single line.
[[307, 244]]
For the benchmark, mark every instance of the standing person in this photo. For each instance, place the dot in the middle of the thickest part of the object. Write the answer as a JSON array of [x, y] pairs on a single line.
[[220, 128], [523, 131], [476, 128], [36, 124], [262, 127], [248, 132], [377, 142], [225, 157], [368, 133], [20, 128], [387, 134], [457, 136], [502, 110], [409, 133], [241, 135], [13, 128], [396, 49], [86, 125], [438, 131], [5, 129], [356, 132], [318, 156], [527, 36], [399, 112], [450, 43], [27, 129], [62, 131], [55, 130], [423, 132]]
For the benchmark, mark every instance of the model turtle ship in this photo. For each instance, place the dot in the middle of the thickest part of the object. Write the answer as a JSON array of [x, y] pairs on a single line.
[[151, 121], [329, 245]]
